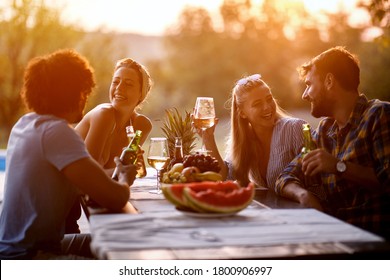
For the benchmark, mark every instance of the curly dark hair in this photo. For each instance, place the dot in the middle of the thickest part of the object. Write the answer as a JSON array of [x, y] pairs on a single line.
[[57, 83]]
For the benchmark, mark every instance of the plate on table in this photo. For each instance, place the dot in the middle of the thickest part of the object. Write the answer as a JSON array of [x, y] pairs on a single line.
[[193, 214]]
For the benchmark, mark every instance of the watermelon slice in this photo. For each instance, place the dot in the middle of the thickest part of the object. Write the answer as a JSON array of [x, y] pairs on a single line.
[[174, 192], [216, 201]]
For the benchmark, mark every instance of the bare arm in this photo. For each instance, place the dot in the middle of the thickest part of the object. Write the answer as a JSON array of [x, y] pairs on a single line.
[[297, 193], [209, 141], [100, 123], [144, 124], [90, 178]]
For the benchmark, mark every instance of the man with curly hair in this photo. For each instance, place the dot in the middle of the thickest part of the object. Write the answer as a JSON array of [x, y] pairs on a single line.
[[48, 165]]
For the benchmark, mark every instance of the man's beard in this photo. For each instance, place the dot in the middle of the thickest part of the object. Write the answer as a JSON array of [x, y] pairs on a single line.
[[321, 106]]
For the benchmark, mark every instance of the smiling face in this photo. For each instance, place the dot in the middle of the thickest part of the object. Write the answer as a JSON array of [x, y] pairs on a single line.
[[125, 89], [316, 94], [259, 106]]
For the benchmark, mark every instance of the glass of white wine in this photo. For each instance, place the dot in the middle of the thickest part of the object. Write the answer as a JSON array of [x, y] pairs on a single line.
[[158, 156], [204, 116]]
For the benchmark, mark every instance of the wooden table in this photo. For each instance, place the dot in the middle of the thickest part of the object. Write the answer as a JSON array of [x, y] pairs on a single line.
[[311, 243]]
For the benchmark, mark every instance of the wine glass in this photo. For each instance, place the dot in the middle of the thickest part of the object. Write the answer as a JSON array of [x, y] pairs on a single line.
[[158, 156], [204, 116]]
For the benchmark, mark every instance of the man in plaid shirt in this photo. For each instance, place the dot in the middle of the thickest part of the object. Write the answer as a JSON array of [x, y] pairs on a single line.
[[352, 159]]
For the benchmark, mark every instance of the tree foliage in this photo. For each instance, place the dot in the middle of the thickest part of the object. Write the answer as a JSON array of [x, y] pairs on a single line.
[[272, 38], [203, 56], [26, 30], [379, 11], [29, 28]]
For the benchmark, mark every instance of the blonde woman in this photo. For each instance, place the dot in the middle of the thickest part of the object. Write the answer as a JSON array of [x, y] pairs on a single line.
[[262, 140], [104, 127]]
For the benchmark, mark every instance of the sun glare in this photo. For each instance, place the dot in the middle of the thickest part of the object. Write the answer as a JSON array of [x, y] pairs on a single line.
[[328, 5], [147, 17], [153, 17]]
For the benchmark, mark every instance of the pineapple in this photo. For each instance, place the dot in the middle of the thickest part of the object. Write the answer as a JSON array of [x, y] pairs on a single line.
[[175, 125]]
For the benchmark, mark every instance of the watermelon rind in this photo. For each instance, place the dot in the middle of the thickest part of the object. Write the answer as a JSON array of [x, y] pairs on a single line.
[[171, 197], [174, 192], [193, 206], [196, 204]]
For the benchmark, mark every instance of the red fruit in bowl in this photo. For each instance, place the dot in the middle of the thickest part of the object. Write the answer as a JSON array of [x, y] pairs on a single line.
[[189, 173]]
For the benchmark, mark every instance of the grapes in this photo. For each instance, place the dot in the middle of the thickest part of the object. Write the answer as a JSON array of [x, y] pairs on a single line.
[[203, 162]]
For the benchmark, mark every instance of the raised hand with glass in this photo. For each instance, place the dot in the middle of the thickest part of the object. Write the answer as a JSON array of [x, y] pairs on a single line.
[[158, 156], [204, 116]]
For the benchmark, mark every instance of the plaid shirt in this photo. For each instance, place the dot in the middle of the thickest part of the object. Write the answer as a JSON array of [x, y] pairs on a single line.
[[365, 140]]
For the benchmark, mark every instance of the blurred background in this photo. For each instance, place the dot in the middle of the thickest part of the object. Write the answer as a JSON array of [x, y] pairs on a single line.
[[194, 48]]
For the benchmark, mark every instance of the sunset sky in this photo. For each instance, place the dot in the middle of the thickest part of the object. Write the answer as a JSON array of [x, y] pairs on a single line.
[[152, 17]]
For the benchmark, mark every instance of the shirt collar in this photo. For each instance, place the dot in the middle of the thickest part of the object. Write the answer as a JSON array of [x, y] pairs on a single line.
[[354, 118], [360, 107]]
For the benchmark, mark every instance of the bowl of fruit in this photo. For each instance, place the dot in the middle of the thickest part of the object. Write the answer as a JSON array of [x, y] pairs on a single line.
[[195, 187], [194, 168]]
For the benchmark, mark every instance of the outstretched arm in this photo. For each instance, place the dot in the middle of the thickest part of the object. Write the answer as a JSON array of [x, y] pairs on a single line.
[[210, 144], [90, 178]]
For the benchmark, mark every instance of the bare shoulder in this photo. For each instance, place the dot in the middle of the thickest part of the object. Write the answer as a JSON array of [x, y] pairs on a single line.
[[102, 113], [142, 121], [101, 116], [144, 124]]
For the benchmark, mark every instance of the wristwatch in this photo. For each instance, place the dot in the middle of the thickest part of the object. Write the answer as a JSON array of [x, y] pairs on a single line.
[[341, 167]]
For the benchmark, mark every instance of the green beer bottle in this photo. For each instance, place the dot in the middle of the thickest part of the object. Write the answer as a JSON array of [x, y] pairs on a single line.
[[308, 143], [129, 154], [312, 183]]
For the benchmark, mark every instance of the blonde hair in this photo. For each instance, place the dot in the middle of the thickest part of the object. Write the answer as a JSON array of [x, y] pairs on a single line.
[[241, 146], [145, 79]]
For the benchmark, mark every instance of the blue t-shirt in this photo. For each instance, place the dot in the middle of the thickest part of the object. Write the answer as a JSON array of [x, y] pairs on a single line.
[[37, 196]]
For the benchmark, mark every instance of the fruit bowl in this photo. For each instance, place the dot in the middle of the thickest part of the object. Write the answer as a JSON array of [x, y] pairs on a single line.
[[202, 162], [181, 174], [209, 197]]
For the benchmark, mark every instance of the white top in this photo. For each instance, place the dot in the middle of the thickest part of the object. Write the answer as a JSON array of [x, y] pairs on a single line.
[[286, 144]]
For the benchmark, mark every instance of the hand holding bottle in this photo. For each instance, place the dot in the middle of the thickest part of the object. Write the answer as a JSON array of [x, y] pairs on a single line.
[[130, 153], [125, 173], [140, 163]]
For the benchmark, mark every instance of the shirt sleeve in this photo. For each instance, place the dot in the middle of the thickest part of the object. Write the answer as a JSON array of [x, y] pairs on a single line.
[[293, 173], [229, 166], [297, 136], [381, 146], [62, 145]]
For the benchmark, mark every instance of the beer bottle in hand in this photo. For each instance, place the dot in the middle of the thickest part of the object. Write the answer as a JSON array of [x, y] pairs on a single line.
[[141, 171], [129, 154], [312, 183], [308, 143]]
